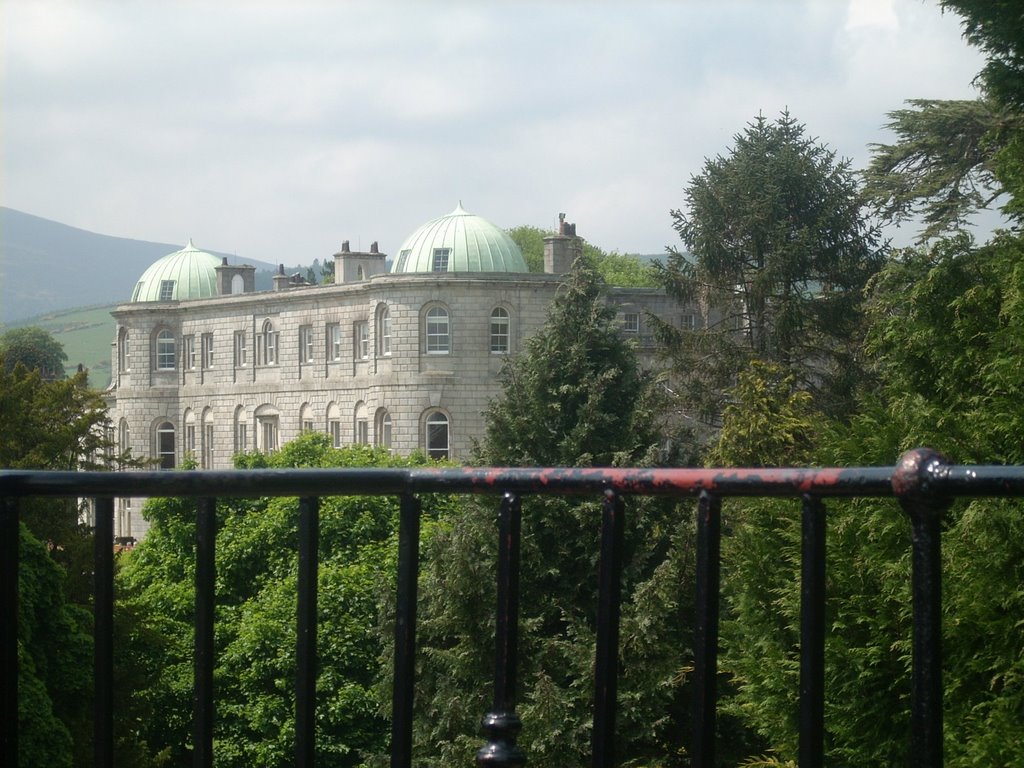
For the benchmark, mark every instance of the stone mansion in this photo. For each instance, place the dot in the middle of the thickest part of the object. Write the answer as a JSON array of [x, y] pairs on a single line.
[[407, 359]]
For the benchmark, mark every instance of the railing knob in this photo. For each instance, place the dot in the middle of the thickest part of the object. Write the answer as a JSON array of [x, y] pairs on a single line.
[[501, 750]]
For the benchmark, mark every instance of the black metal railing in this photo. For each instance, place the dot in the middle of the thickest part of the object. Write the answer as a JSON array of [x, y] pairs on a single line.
[[922, 481]]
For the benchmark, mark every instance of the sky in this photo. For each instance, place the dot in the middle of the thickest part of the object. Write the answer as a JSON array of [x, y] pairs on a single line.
[[276, 130]]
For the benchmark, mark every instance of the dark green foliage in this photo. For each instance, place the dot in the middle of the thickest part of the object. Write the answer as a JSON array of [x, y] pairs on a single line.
[[942, 166], [256, 608], [946, 337], [778, 250], [575, 396], [34, 348], [54, 663]]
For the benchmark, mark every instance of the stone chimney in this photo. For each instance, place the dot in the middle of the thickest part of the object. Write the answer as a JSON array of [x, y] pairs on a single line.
[[561, 250], [281, 280]]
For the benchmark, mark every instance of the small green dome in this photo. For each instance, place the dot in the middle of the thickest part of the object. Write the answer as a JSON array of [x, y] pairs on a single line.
[[459, 242], [185, 274]]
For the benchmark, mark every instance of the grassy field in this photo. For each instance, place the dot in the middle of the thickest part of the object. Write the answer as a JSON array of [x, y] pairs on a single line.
[[86, 334]]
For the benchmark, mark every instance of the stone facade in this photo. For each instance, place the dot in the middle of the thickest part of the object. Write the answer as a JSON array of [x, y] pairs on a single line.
[[406, 361]]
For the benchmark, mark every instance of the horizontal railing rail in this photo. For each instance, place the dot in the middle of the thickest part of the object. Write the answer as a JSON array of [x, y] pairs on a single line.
[[922, 482]]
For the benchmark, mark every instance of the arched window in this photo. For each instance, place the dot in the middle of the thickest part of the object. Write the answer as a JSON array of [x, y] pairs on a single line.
[[268, 426], [124, 437], [165, 351], [334, 424], [165, 449], [237, 284], [241, 431], [382, 429], [361, 425], [124, 361], [438, 334], [207, 451], [436, 437], [360, 273], [190, 433], [501, 326], [266, 345], [383, 331], [306, 418]]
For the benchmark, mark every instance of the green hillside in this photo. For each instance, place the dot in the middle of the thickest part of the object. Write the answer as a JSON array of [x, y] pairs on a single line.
[[86, 334]]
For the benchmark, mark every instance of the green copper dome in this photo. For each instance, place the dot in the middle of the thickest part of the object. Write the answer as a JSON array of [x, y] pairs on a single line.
[[459, 242], [185, 274]]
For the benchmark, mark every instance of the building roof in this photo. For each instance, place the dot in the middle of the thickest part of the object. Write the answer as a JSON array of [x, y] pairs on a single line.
[[185, 274], [473, 244]]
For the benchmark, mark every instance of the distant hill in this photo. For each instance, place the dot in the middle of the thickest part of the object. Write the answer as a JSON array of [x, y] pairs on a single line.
[[46, 266], [87, 335]]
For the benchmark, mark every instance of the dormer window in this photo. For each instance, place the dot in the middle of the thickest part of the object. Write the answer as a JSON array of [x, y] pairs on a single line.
[[402, 258], [166, 290], [441, 259]]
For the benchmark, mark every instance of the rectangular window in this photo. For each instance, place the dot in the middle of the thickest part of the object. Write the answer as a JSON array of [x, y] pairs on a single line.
[[268, 434], [207, 342], [190, 438], [440, 263], [166, 290], [207, 446], [362, 432], [385, 333], [333, 342], [241, 437], [438, 340], [688, 322], [499, 332], [307, 425], [241, 350], [362, 340], [334, 427], [189, 347], [631, 322], [306, 344]]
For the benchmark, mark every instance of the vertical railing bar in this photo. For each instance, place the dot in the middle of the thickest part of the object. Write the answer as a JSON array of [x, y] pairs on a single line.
[[305, 646], [10, 535], [705, 644], [403, 683], [607, 657], [206, 576], [913, 484], [812, 634], [501, 725], [103, 641]]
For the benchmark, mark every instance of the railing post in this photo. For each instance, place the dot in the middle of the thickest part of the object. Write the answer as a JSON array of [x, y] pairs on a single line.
[[501, 725], [812, 634], [206, 575], [914, 484], [705, 643], [103, 641], [305, 648], [607, 665], [405, 632], [10, 534]]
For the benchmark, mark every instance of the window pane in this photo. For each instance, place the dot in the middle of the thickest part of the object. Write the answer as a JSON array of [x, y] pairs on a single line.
[[437, 436], [437, 330]]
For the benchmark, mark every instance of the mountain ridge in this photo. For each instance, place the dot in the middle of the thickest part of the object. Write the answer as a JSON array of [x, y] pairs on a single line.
[[38, 257]]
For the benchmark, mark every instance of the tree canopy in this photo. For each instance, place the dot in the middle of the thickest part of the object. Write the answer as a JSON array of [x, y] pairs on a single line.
[[34, 348], [777, 251]]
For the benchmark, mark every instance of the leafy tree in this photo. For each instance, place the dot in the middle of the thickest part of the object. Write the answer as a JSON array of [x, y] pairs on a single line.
[[778, 250], [531, 242], [563, 398], [574, 397], [34, 348], [943, 165], [255, 623], [946, 334]]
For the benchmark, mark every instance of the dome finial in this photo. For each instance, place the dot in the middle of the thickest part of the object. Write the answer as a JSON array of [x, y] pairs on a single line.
[[190, 246]]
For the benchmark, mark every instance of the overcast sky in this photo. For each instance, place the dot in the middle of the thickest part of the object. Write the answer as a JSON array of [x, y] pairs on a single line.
[[276, 130]]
